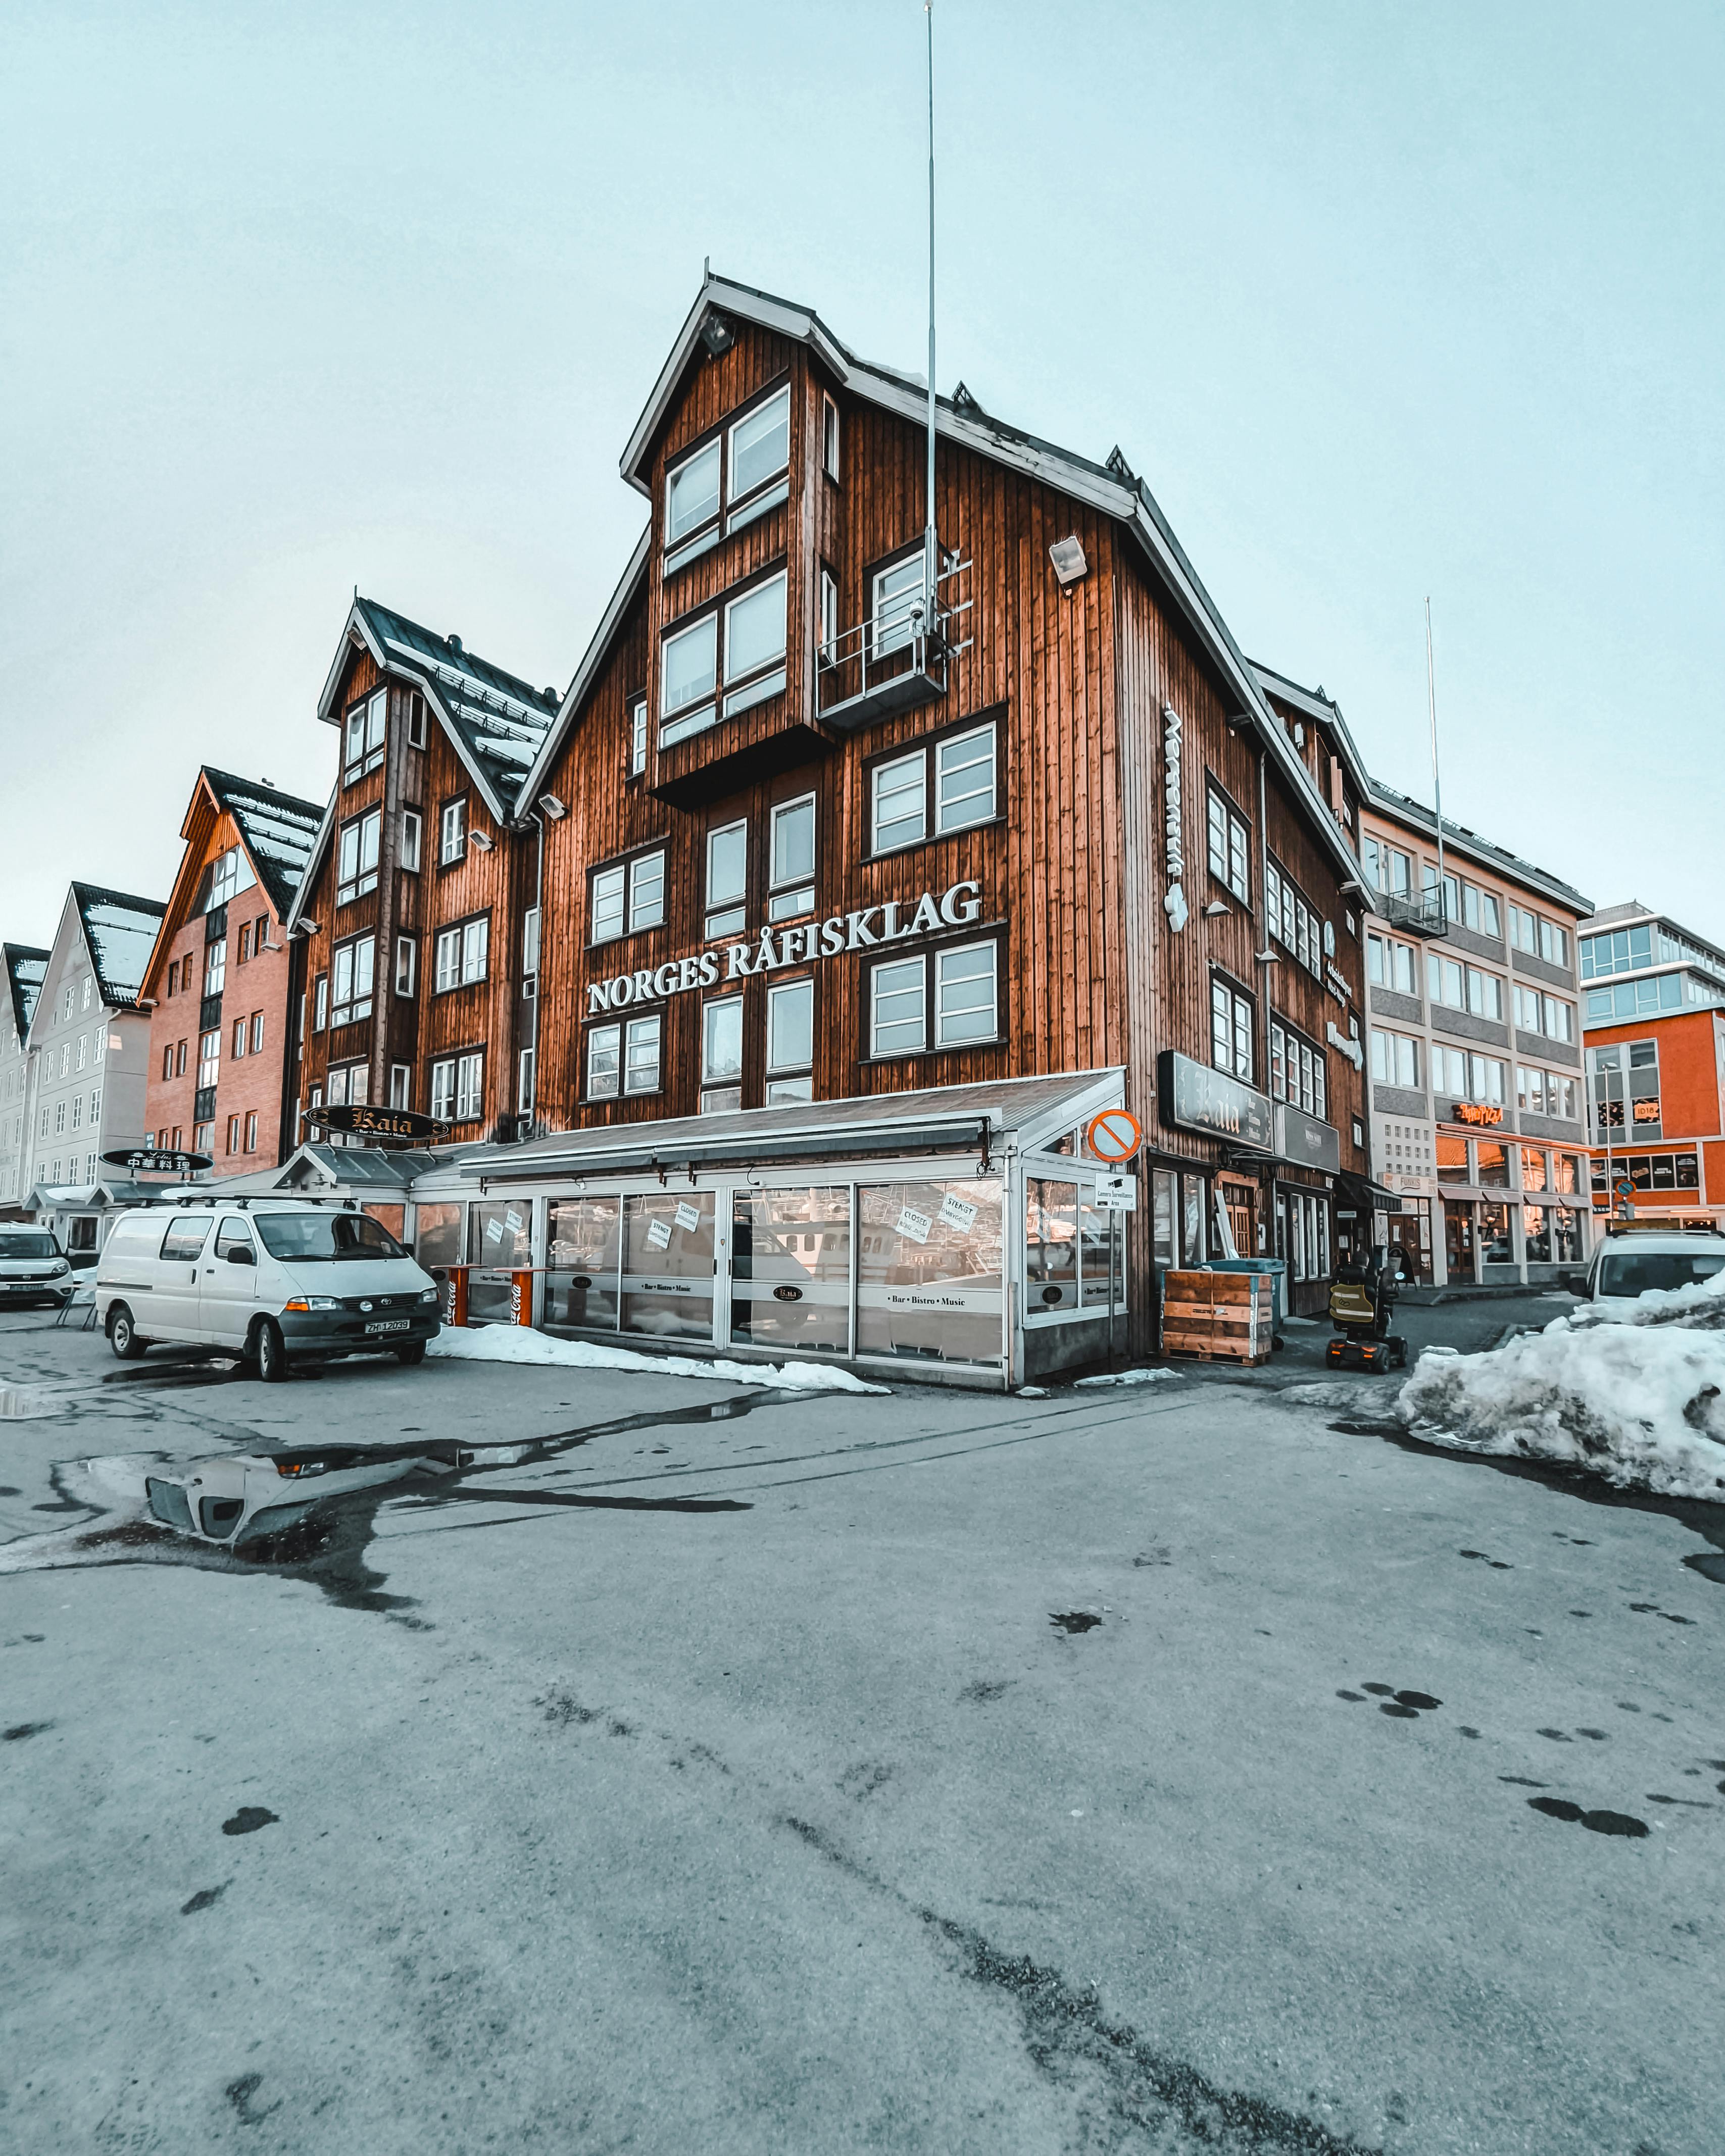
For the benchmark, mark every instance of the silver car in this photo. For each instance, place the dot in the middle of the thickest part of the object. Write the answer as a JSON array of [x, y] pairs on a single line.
[[33, 1267]]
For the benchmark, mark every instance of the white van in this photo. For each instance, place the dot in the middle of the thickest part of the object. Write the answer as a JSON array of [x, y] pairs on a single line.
[[275, 1280], [1632, 1262]]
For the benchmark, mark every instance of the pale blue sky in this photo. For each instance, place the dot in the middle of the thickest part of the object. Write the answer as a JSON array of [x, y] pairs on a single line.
[[1379, 301]]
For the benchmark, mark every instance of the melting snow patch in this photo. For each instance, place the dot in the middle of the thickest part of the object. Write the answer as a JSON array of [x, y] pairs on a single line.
[[521, 1343], [1128, 1377], [1640, 1402]]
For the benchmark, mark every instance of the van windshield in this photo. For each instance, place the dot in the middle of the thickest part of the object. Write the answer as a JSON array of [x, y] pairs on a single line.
[[1639, 1272], [299, 1237], [16, 1244]]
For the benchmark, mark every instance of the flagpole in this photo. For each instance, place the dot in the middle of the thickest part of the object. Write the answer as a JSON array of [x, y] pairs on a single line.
[[932, 545]]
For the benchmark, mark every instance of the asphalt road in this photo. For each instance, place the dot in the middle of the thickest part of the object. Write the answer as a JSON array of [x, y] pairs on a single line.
[[1003, 1776]]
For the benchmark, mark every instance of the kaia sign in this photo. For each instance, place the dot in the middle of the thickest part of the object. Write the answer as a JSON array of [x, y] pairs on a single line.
[[893, 923]]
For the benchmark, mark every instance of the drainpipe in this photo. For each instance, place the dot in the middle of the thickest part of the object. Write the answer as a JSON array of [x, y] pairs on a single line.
[[1264, 965]]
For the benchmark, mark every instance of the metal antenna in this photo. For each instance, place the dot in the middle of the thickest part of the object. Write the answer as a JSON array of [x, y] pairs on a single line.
[[1437, 788], [932, 568]]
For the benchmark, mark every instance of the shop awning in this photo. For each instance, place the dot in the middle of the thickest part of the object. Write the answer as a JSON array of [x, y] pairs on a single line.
[[938, 1119], [1365, 1196]]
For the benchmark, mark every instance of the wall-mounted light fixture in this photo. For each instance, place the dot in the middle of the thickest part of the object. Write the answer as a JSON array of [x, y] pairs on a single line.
[[556, 809], [1067, 556]]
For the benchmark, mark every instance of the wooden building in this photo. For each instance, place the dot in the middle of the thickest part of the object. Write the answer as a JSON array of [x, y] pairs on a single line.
[[23, 966], [823, 859], [414, 929], [217, 985]]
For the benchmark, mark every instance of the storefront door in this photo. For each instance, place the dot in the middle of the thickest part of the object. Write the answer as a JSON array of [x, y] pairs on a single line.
[[790, 1270], [1411, 1230], [1458, 1238]]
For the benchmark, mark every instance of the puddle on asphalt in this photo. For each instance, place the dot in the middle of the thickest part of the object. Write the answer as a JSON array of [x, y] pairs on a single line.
[[329, 1546], [27, 1403]]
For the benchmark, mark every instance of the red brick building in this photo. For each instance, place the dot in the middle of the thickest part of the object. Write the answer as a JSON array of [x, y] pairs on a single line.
[[217, 984]]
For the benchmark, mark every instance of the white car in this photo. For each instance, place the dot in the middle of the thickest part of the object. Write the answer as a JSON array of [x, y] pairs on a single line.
[[33, 1267], [1631, 1263], [273, 1280]]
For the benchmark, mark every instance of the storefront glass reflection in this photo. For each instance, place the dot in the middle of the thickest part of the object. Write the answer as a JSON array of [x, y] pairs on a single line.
[[668, 1265], [790, 1270], [1050, 1246], [581, 1289], [500, 1238], [928, 1270], [437, 1235], [1495, 1247]]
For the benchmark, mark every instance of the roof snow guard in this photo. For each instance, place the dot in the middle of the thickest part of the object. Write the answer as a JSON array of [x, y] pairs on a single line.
[[26, 969], [497, 720], [278, 831], [121, 932]]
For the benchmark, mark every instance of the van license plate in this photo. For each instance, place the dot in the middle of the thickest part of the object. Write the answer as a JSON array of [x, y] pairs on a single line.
[[390, 1325]]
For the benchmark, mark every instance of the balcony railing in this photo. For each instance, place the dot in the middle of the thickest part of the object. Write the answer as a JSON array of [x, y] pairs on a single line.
[[883, 666], [1424, 914]]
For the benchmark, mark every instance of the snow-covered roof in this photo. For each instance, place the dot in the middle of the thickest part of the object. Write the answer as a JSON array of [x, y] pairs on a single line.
[[278, 831], [26, 969], [121, 931]]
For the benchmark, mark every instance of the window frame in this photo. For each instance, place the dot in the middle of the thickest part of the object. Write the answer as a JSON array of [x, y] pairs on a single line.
[[372, 713], [1236, 1006], [407, 975], [766, 678], [460, 933], [413, 841], [454, 804], [830, 436], [801, 985], [350, 1013], [627, 865], [790, 897], [733, 507], [638, 723], [363, 880], [935, 1040], [930, 747], [1219, 803], [891, 631], [726, 915]]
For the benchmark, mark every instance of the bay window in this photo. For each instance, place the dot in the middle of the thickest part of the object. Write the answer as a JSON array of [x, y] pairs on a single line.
[[689, 667], [754, 646], [364, 738]]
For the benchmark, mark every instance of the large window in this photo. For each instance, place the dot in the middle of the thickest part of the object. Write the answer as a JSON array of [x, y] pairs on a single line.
[[1541, 939], [793, 881], [689, 674], [1538, 1012], [1458, 986], [1395, 1059], [458, 1087], [1391, 870], [624, 1058], [928, 1270], [209, 1062], [950, 788], [752, 459], [358, 865], [1546, 1093], [1292, 921], [1231, 1030], [1389, 964], [463, 953], [364, 737], [754, 646], [1464, 1076], [626, 897], [965, 1001], [1230, 844], [1622, 951], [353, 968], [1298, 1071], [790, 1041], [790, 1269]]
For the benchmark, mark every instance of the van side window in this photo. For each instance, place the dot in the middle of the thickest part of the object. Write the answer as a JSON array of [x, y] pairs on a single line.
[[184, 1238], [234, 1235]]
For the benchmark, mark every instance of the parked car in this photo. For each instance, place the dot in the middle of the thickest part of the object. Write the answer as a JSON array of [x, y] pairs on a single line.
[[33, 1268], [1634, 1262], [275, 1280]]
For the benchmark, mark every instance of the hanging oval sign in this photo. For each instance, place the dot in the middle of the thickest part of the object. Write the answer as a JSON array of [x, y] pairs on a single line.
[[788, 1294], [1115, 1134]]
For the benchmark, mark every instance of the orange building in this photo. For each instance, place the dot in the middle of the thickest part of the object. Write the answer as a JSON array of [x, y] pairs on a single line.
[[1654, 1014], [217, 982]]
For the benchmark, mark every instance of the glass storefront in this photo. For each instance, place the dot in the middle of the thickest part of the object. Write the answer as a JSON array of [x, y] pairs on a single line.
[[928, 1270], [1495, 1247], [1050, 1246], [437, 1235], [583, 1250], [668, 1265], [500, 1240], [790, 1270]]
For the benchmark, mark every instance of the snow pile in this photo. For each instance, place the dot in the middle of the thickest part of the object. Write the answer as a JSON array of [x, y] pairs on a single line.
[[1127, 1377], [1640, 1401], [521, 1343]]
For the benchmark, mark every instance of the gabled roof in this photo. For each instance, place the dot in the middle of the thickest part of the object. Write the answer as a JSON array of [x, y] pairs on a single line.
[[121, 932], [1110, 487], [25, 969], [277, 830], [497, 720]]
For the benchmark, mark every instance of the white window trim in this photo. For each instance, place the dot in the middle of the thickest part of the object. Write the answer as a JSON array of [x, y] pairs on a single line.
[[943, 747], [449, 853], [877, 1052], [407, 976], [802, 986], [920, 757], [944, 955], [413, 830]]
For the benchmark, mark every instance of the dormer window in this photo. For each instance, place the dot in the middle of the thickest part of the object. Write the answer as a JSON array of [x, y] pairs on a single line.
[[364, 748], [728, 481]]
